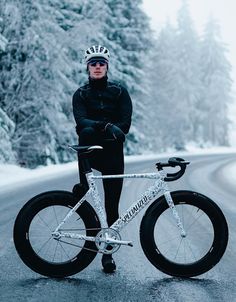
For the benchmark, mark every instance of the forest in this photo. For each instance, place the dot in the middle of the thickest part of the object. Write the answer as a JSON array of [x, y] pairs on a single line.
[[179, 80]]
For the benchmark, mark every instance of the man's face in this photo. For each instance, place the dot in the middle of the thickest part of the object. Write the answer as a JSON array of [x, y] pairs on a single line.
[[97, 69]]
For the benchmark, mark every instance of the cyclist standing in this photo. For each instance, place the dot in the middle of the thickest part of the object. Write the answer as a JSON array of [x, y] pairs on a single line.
[[102, 111]]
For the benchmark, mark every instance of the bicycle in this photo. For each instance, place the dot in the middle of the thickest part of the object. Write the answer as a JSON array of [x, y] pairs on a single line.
[[182, 233]]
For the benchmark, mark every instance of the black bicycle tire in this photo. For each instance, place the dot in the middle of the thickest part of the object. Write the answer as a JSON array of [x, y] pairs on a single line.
[[22, 242], [214, 254]]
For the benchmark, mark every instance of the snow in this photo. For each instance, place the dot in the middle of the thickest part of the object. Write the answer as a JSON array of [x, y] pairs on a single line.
[[17, 176], [3, 43]]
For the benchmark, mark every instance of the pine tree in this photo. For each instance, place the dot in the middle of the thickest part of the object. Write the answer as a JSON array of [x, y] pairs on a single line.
[[6, 130], [217, 84], [3, 40], [176, 82], [188, 80], [6, 125], [164, 105]]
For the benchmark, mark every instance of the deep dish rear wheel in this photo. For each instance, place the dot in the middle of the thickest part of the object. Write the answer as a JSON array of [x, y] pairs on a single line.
[[42, 252], [200, 250]]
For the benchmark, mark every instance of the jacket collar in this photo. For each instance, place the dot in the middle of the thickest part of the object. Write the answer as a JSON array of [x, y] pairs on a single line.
[[98, 84]]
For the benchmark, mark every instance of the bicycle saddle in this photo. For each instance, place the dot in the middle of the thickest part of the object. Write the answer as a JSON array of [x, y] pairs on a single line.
[[84, 149]]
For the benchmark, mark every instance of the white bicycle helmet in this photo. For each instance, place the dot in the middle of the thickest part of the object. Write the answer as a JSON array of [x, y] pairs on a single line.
[[96, 51]]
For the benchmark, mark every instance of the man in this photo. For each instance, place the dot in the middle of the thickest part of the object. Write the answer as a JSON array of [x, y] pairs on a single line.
[[102, 111]]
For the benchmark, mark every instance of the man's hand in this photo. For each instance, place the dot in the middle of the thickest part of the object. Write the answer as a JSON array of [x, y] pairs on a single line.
[[116, 132]]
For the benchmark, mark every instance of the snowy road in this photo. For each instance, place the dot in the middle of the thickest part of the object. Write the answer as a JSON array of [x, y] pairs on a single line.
[[136, 279]]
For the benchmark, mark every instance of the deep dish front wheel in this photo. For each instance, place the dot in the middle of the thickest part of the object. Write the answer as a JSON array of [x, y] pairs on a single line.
[[200, 250], [44, 253]]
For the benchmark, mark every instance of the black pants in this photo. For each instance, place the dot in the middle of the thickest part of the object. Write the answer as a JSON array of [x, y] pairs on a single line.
[[110, 160]]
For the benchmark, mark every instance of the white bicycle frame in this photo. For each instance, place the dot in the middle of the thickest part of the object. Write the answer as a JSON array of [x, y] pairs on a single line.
[[160, 186]]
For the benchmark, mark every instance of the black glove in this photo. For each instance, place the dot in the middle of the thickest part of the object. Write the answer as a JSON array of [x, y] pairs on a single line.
[[100, 126], [116, 132]]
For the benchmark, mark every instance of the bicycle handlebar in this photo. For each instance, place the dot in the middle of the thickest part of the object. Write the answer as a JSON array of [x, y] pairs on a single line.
[[173, 162]]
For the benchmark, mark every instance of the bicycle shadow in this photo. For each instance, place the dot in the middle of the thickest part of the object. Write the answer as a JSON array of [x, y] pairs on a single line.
[[156, 285], [116, 287], [119, 286], [45, 280]]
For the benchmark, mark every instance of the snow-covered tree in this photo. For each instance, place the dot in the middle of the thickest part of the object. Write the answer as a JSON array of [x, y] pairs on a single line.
[[188, 78], [217, 84], [165, 109], [3, 40], [6, 125], [6, 131], [176, 82]]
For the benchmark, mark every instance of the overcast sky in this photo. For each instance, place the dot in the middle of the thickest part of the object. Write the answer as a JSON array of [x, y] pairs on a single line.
[[223, 10]]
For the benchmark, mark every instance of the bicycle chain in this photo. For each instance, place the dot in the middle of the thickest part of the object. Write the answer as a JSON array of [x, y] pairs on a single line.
[[76, 245]]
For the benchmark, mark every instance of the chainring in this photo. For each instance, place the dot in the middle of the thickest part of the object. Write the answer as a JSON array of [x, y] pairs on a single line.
[[107, 248]]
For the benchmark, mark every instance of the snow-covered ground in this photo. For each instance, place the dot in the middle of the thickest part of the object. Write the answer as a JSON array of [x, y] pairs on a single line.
[[11, 174]]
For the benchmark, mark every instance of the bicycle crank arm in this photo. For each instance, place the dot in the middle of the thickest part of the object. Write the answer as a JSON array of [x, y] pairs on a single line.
[[114, 241]]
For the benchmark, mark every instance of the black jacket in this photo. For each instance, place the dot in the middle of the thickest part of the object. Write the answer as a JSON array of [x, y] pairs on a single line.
[[101, 100]]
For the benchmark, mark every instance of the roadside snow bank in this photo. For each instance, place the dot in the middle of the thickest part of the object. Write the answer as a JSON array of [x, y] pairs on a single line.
[[229, 173], [11, 174]]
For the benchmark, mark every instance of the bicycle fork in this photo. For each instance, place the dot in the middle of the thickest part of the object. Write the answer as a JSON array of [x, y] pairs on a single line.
[[171, 205]]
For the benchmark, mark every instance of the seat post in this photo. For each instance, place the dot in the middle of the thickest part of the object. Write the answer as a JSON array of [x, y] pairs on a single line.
[[86, 167]]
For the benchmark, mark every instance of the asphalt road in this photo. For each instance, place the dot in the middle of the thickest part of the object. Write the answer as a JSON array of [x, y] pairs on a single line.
[[135, 279]]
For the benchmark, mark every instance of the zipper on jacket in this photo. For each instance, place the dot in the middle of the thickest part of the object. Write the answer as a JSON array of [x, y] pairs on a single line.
[[101, 101]]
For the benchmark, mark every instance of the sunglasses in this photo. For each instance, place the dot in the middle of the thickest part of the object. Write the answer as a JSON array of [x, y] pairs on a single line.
[[94, 63]]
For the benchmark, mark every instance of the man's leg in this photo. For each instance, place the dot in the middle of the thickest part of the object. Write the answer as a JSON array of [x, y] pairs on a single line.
[[113, 164], [112, 191], [112, 187]]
